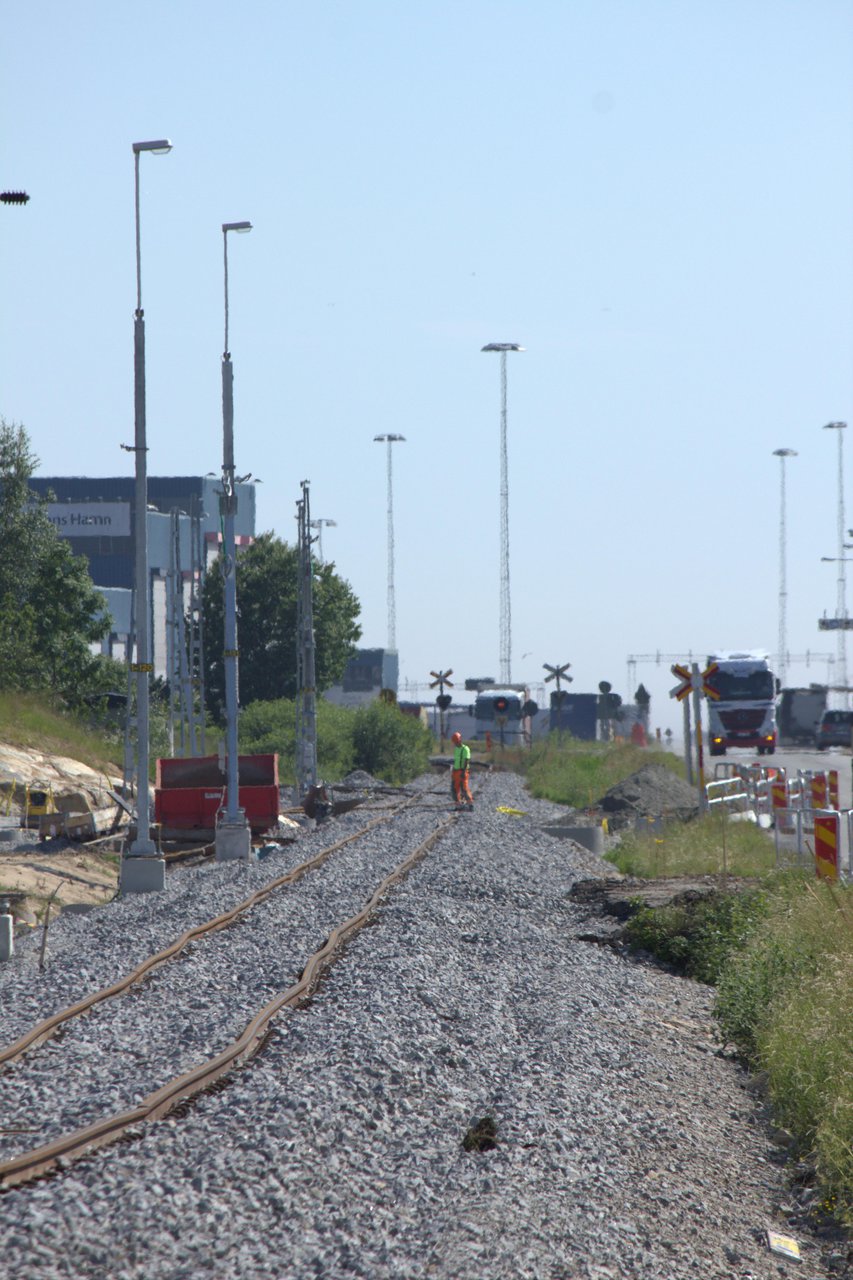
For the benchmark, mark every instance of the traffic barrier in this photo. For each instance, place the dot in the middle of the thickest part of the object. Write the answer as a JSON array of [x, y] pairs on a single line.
[[779, 795], [826, 833], [730, 792]]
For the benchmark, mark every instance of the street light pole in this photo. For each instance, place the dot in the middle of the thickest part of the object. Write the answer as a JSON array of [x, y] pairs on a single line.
[[233, 836], [148, 875]]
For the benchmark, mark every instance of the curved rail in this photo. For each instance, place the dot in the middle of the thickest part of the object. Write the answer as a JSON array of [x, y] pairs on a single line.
[[44, 1030], [40, 1160]]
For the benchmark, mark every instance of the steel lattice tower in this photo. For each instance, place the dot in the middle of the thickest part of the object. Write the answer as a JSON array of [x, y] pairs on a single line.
[[392, 607], [505, 601], [841, 597], [782, 665]]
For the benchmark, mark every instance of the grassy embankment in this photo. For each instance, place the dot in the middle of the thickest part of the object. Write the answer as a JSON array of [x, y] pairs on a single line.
[[27, 720], [778, 948]]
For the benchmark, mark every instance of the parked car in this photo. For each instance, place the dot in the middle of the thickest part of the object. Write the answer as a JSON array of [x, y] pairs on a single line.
[[834, 729]]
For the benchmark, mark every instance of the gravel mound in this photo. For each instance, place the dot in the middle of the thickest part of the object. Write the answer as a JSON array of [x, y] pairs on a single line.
[[473, 1092], [359, 780], [651, 792]]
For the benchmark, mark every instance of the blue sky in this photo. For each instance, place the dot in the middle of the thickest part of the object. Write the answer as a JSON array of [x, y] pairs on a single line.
[[654, 197]]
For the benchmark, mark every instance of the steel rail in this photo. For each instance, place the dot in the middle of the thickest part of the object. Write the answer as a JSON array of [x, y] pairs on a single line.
[[40, 1160], [44, 1030]]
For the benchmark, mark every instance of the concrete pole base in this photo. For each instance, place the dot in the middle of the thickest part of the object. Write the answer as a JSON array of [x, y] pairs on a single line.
[[7, 937], [591, 838], [233, 842], [142, 875]]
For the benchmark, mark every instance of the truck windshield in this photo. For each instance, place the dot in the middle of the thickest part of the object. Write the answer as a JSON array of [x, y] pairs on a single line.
[[755, 685]]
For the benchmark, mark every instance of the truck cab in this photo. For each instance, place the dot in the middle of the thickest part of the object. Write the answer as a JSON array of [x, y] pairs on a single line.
[[744, 712]]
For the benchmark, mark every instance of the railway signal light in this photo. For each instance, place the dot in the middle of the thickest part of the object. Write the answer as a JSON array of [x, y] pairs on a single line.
[[501, 705]]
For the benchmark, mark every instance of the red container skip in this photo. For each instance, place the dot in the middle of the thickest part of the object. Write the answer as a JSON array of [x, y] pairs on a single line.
[[190, 791]]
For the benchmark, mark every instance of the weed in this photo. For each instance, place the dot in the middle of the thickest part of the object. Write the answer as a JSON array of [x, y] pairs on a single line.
[[482, 1135], [697, 937], [579, 773], [709, 846]]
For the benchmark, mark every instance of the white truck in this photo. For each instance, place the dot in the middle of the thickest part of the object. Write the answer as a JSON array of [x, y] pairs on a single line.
[[744, 715]]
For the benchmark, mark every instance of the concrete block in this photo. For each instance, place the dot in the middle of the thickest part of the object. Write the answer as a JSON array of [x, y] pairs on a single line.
[[142, 875], [7, 937], [591, 838], [233, 842]]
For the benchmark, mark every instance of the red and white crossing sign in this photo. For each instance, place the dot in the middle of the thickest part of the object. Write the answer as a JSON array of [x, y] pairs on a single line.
[[696, 679], [681, 690]]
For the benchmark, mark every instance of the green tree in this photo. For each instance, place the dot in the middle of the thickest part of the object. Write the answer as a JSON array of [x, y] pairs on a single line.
[[271, 727], [266, 604], [50, 611]]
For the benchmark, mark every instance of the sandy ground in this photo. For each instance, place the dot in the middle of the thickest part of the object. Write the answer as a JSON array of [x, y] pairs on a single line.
[[78, 876]]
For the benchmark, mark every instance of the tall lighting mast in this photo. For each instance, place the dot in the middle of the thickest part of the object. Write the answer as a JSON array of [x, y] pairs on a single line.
[[392, 607], [841, 598], [505, 607], [142, 870], [782, 454], [318, 525]]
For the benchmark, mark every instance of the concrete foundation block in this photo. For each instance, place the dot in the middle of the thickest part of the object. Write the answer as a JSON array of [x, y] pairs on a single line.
[[142, 875], [7, 937], [591, 838], [233, 842]]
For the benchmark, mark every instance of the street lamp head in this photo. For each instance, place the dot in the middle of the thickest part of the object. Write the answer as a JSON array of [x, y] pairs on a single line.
[[391, 438], [160, 147], [835, 426], [236, 226], [502, 346], [785, 453]]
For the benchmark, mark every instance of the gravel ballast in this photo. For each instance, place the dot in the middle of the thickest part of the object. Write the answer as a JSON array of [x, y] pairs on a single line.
[[624, 1143]]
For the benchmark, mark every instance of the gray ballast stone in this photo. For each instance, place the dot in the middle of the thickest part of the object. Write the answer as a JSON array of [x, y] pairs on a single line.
[[625, 1146]]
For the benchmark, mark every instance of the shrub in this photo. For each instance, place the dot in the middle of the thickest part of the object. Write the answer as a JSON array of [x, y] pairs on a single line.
[[388, 744], [271, 727]]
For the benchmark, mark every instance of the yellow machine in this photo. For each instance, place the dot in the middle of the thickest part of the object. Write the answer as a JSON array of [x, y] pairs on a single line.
[[38, 800]]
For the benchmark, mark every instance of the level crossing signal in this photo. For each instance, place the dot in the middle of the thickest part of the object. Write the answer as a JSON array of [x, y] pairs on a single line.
[[558, 673], [442, 679], [696, 679]]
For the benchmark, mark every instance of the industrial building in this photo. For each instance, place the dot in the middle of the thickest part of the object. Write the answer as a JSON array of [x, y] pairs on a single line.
[[96, 515]]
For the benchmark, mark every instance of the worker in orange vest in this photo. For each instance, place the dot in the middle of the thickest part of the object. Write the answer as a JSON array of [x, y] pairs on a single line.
[[461, 768]]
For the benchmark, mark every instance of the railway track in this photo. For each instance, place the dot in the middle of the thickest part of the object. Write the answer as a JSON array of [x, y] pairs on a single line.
[[238, 1048]]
